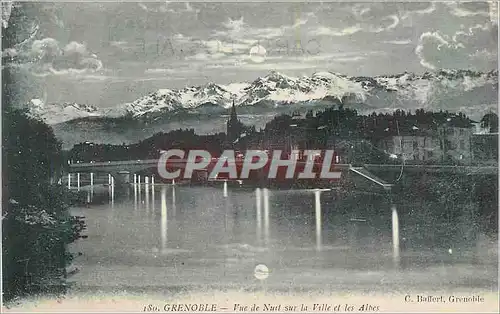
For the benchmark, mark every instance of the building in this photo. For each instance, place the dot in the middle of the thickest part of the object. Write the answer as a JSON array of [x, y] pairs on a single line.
[[448, 142], [485, 148], [455, 143], [413, 143], [414, 148]]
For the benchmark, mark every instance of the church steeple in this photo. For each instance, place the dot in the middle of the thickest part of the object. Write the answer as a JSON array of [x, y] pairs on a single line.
[[233, 116], [234, 127]]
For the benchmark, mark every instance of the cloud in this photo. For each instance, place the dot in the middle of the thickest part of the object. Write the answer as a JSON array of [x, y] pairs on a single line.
[[234, 25], [267, 66], [335, 32], [363, 24], [379, 18], [343, 56], [287, 64], [398, 42], [175, 8], [203, 56], [123, 45], [460, 10], [157, 78], [238, 30], [9, 52], [218, 46], [440, 51], [434, 39], [92, 79], [75, 48], [158, 71], [350, 30], [189, 8], [431, 8], [240, 45], [394, 23], [259, 60], [359, 10], [162, 8], [48, 57], [143, 6], [484, 54], [473, 31], [237, 41], [45, 50]]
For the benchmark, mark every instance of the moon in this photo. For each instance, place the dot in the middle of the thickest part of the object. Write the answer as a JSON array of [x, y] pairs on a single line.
[[258, 54], [261, 272]]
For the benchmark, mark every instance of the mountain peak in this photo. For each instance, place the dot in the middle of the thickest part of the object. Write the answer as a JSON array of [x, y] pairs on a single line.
[[326, 75], [404, 91], [36, 103], [58, 113], [275, 76]]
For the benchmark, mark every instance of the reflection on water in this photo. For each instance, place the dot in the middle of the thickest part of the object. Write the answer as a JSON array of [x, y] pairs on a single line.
[[317, 215], [258, 206], [266, 217], [164, 218], [219, 233]]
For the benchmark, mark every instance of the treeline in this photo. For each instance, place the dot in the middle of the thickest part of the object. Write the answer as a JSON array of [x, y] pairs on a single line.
[[339, 122], [347, 122], [36, 223], [148, 148]]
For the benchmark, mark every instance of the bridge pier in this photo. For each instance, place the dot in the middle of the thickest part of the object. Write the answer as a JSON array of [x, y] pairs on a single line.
[[119, 178]]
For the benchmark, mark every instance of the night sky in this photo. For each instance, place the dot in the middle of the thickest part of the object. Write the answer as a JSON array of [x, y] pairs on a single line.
[[110, 53]]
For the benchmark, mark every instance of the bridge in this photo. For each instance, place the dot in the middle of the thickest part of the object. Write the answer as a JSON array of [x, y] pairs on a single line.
[[121, 170]]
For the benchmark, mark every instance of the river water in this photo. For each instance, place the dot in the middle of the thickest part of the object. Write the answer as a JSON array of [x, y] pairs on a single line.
[[175, 237]]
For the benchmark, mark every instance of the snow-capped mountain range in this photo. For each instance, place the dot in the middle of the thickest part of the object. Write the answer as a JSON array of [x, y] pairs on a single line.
[[58, 113], [430, 90]]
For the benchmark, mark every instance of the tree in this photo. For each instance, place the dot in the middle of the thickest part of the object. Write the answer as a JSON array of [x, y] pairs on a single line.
[[490, 121], [36, 224]]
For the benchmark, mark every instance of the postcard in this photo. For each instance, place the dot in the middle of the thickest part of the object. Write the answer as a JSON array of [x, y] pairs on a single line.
[[250, 156]]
